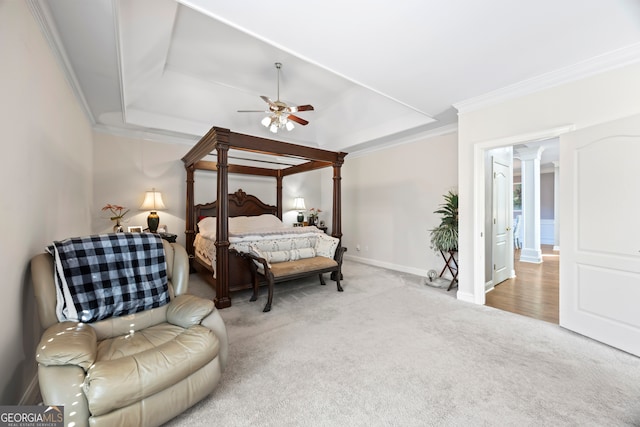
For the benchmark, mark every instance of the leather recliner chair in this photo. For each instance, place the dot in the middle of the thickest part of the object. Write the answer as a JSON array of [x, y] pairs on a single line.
[[140, 369]]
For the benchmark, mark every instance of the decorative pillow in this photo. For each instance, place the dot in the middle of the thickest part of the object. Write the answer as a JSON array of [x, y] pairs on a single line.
[[302, 253], [273, 245], [326, 245], [278, 256], [254, 250], [303, 242]]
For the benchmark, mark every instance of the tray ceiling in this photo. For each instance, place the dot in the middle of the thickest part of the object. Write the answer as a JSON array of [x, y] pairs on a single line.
[[375, 72]]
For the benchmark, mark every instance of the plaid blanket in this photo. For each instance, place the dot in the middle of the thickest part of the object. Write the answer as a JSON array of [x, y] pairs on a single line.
[[109, 275]]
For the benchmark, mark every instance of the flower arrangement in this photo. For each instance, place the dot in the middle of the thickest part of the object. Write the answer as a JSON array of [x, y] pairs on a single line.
[[313, 215], [116, 212]]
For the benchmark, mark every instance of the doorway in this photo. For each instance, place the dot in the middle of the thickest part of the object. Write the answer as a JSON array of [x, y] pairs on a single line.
[[532, 289]]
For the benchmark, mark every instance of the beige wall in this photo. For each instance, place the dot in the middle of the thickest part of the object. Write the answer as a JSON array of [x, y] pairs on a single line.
[[597, 99], [124, 168], [47, 176], [127, 167], [388, 201]]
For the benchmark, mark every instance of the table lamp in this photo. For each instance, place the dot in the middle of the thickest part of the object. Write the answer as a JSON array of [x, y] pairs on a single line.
[[298, 204], [153, 202]]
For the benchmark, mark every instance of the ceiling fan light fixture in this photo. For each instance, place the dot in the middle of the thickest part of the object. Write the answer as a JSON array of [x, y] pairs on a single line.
[[280, 115]]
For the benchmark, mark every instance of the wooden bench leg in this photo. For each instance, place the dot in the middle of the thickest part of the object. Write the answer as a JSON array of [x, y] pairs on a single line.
[[338, 276], [321, 279], [270, 281], [254, 296]]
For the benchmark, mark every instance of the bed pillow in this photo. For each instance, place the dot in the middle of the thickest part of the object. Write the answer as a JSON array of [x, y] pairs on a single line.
[[207, 225], [246, 224], [266, 221], [238, 223]]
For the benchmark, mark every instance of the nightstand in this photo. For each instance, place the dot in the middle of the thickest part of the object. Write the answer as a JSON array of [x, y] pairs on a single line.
[[171, 238]]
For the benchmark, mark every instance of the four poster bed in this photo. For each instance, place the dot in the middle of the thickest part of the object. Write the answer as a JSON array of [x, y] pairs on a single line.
[[209, 224]]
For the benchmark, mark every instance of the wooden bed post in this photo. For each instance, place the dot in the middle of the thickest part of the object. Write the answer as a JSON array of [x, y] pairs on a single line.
[[336, 230], [279, 194], [222, 298], [190, 232]]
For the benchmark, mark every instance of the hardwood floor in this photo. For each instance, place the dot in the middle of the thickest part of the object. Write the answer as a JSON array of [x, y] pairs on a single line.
[[534, 290]]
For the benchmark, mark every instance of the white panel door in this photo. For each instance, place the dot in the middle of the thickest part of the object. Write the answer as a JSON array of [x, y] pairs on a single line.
[[502, 240], [600, 213]]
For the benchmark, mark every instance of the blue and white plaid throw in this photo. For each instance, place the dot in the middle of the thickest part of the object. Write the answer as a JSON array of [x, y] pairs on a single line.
[[109, 275]]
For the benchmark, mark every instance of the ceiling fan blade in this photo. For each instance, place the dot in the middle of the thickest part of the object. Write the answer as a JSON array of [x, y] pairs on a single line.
[[253, 111], [268, 101], [303, 108], [295, 109], [297, 119]]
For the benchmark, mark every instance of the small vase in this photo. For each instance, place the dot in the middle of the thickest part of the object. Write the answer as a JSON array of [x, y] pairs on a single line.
[[118, 228]]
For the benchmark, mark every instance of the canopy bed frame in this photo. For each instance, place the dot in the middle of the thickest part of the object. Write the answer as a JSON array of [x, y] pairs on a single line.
[[232, 273]]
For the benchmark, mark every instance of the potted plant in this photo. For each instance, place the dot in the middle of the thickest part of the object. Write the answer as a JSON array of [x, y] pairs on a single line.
[[444, 238]]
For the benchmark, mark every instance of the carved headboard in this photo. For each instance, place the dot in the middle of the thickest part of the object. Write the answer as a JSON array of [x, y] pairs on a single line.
[[240, 204]]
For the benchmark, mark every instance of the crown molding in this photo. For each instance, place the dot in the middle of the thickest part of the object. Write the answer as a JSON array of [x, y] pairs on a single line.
[[42, 15], [596, 65], [147, 134], [420, 136]]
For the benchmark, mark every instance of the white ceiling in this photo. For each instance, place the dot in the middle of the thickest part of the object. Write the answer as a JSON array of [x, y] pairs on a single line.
[[375, 71]]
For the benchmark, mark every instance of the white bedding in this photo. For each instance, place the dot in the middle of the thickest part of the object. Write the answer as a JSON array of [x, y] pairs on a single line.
[[244, 230]]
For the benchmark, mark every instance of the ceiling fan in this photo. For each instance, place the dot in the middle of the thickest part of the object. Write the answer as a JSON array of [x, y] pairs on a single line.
[[280, 114]]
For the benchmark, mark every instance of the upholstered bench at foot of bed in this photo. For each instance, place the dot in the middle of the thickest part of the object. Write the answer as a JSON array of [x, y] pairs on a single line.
[[290, 270]]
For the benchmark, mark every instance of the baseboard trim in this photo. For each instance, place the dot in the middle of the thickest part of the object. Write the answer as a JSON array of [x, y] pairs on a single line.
[[488, 286], [388, 265], [467, 297], [31, 394]]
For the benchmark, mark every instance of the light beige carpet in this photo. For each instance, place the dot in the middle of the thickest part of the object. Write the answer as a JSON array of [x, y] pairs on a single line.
[[390, 351]]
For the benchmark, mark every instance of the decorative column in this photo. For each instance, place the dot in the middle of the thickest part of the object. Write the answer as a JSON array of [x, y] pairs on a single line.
[[530, 158], [556, 206]]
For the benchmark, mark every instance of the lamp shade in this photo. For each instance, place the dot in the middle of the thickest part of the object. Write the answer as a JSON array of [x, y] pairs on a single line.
[[152, 201], [298, 204]]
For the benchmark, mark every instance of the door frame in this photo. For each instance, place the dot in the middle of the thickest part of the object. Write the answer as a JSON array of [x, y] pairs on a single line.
[[479, 152]]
